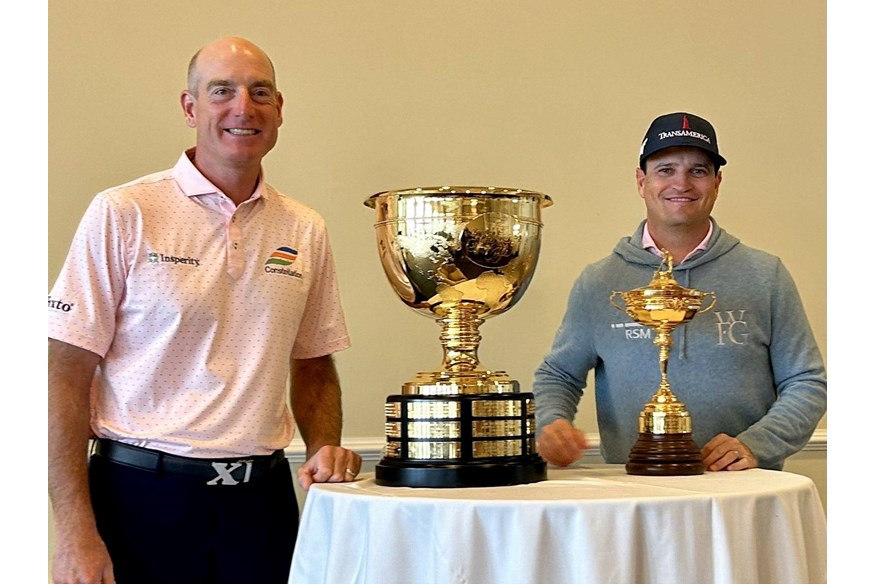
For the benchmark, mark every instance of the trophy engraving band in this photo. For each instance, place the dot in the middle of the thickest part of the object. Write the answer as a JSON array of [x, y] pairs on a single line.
[[440, 429], [495, 428], [484, 449], [665, 423], [435, 450], [430, 410], [499, 408], [392, 449], [425, 421], [392, 429]]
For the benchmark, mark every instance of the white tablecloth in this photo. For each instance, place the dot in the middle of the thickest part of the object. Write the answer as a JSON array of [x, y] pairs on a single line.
[[588, 525]]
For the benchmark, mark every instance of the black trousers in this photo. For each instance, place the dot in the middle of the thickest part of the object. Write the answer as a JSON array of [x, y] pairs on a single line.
[[165, 529]]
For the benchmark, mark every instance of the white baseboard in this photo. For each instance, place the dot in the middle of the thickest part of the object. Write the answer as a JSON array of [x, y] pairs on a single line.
[[371, 448]]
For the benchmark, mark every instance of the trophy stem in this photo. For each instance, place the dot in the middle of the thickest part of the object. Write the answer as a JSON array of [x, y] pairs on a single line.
[[460, 337], [664, 341]]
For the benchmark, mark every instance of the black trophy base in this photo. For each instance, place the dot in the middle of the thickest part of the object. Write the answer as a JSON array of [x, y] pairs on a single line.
[[516, 470], [665, 455]]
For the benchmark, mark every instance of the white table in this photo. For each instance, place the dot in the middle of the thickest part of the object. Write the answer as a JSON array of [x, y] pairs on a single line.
[[593, 524]]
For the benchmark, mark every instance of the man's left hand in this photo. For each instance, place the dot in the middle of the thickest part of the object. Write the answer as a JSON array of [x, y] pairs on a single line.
[[724, 452], [330, 464]]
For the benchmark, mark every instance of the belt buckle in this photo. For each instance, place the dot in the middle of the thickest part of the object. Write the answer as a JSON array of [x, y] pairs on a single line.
[[224, 472]]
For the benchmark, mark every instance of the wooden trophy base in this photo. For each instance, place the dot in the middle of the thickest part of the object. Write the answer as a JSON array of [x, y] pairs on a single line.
[[665, 455]]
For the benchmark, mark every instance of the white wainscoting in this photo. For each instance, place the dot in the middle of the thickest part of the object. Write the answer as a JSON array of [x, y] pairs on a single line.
[[811, 461]]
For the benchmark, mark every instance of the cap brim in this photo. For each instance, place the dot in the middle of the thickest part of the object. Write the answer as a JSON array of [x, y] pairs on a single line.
[[683, 143]]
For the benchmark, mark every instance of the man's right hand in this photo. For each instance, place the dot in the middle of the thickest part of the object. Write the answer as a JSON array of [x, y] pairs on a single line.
[[82, 560], [560, 443], [80, 556]]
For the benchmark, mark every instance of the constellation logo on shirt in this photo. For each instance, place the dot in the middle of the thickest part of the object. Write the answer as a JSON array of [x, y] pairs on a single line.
[[158, 258], [280, 260]]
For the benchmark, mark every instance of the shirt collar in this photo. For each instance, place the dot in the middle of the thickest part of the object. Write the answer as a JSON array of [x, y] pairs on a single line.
[[650, 245], [193, 183]]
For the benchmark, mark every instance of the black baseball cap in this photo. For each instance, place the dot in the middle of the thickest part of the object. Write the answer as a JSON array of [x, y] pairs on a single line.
[[680, 129]]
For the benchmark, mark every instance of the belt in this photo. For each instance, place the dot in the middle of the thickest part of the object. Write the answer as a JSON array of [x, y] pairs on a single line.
[[224, 471]]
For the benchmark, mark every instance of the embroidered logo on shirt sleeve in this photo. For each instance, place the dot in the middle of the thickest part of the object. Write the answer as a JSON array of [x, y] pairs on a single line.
[[61, 305]]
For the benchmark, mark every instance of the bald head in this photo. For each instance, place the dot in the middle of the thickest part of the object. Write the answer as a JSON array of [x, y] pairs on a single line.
[[226, 45]]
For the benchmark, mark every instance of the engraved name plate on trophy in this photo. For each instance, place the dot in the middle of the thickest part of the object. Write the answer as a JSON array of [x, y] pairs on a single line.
[[459, 255]]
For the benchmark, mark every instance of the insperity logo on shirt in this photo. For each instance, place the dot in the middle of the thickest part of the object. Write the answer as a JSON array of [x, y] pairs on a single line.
[[280, 262], [160, 258]]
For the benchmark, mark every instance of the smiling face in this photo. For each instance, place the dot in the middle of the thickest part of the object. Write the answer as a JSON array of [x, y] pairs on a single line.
[[680, 188], [234, 105]]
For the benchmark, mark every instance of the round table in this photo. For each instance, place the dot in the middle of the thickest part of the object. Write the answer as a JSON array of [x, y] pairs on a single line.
[[590, 524]]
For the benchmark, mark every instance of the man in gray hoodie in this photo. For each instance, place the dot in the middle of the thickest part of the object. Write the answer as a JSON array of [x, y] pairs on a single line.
[[749, 371]]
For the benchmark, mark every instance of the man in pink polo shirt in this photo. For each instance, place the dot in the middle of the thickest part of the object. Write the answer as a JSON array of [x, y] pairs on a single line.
[[189, 298]]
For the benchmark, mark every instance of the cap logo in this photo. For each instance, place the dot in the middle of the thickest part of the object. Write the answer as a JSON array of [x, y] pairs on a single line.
[[684, 133]]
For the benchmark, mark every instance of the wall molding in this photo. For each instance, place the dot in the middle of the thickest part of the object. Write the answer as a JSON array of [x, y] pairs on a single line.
[[371, 448]]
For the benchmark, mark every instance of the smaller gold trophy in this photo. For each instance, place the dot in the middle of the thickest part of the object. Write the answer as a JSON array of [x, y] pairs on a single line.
[[665, 446]]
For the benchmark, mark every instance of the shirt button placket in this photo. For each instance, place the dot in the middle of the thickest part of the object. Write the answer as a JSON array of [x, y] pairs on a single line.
[[235, 254]]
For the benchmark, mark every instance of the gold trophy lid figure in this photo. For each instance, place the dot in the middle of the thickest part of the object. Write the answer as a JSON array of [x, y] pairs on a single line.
[[665, 445], [459, 255]]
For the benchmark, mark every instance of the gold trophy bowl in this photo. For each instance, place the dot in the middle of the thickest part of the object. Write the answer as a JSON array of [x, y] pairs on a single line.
[[459, 255], [665, 446]]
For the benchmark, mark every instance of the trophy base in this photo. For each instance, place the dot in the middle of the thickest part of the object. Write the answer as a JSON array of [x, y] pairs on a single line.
[[509, 471], [665, 455], [466, 440]]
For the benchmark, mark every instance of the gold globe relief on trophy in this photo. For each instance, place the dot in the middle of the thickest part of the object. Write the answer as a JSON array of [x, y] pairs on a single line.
[[665, 445], [459, 255]]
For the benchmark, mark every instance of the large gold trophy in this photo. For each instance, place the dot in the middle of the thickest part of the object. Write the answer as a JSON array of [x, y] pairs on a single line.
[[665, 445], [459, 255]]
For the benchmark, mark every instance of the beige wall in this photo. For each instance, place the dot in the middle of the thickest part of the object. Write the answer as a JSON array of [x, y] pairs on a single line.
[[551, 96]]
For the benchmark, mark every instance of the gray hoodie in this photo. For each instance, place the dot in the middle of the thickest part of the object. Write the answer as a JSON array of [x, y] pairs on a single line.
[[750, 367]]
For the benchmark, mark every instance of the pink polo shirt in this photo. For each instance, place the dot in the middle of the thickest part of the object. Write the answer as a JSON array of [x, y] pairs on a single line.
[[196, 306]]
